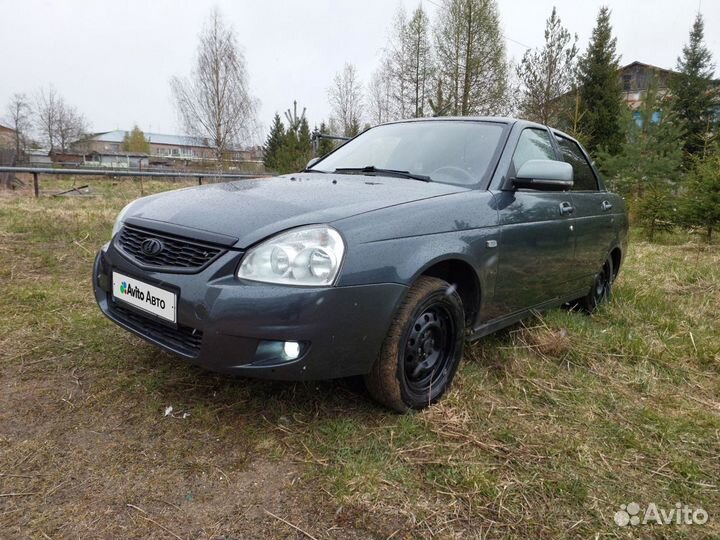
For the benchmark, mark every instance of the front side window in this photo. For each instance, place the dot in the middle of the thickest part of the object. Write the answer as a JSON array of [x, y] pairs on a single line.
[[583, 175], [533, 144]]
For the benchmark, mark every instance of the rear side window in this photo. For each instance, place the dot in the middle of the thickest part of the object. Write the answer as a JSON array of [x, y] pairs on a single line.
[[583, 175], [533, 144]]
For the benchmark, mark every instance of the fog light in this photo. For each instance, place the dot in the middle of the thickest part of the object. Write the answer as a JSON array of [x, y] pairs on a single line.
[[291, 349], [275, 353]]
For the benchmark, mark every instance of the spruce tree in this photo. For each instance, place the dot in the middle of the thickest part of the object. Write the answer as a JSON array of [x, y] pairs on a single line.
[[303, 146], [600, 90], [646, 167], [326, 145], [273, 144], [691, 89]]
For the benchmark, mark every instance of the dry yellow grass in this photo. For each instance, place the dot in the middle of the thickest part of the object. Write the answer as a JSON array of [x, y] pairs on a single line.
[[549, 428]]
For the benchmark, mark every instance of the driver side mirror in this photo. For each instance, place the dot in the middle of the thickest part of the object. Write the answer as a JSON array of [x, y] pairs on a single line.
[[312, 162], [544, 175]]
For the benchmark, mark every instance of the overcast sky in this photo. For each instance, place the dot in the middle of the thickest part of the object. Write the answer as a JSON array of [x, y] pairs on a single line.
[[113, 60]]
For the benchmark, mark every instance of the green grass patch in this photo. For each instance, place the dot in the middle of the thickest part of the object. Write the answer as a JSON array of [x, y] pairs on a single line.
[[550, 426]]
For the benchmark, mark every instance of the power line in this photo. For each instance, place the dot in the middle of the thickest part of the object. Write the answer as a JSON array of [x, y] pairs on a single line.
[[516, 41]]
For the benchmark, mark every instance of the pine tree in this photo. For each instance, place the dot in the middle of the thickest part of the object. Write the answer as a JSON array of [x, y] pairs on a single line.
[[691, 89], [547, 74], [702, 204], [600, 90], [646, 167], [135, 141], [273, 144]]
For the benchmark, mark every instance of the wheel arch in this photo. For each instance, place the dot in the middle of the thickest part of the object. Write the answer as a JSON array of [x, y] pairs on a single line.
[[461, 274]]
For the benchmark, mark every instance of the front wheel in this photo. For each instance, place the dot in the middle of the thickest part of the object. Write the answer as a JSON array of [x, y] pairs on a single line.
[[423, 348]]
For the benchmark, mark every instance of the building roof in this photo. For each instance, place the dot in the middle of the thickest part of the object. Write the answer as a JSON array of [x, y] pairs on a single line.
[[118, 135], [643, 64]]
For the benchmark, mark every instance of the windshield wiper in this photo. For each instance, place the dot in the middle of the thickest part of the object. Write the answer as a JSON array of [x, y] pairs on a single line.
[[371, 169]]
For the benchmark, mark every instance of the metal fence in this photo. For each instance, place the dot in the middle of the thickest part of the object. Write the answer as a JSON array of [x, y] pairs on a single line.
[[199, 175]]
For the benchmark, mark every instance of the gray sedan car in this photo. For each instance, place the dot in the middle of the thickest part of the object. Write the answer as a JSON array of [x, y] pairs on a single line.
[[380, 259]]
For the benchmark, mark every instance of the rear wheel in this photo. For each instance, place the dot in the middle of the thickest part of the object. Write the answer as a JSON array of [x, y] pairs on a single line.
[[423, 348], [601, 290]]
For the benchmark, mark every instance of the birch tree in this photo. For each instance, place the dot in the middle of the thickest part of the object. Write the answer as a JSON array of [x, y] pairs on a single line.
[[380, 95], [346, 100], [47, 104], [70, 125], [59, 123], [215, 102], [18, 115]]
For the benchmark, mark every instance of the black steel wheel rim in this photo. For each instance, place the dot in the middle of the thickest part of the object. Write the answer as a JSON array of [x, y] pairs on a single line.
[[429, 349]]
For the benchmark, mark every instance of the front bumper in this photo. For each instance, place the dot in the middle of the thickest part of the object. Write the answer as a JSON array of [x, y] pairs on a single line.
[[221, 320]]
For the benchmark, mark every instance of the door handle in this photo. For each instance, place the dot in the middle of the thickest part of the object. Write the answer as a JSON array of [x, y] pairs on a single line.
[[606, 205], [566, 208]]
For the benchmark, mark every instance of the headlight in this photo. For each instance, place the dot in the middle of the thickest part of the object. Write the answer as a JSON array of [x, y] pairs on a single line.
[[120, 220], [305, 256]]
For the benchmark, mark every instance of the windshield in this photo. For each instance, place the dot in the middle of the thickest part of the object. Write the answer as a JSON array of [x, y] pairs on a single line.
[[448, 151]]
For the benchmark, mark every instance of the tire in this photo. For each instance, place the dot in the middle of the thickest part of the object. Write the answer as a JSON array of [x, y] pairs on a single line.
[[422, 350], [601, 289]]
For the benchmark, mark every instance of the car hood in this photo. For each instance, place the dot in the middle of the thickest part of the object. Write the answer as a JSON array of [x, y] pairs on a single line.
[[250, 210]]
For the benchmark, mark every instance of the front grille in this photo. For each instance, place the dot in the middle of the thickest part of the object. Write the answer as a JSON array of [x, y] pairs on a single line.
[[178, 253], [182, 339]]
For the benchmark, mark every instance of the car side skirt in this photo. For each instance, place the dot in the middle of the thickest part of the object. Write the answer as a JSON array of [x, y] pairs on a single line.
[[494, 325]]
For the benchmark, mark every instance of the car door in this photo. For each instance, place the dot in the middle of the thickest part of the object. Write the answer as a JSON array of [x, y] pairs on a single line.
[[593, 211], [536, 245]]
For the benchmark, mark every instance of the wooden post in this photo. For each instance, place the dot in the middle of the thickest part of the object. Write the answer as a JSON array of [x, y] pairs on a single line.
[[36, 185], [199, 180]]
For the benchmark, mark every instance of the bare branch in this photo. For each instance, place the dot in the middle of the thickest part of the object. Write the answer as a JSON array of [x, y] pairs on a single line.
[[346, 100], [214, 102]]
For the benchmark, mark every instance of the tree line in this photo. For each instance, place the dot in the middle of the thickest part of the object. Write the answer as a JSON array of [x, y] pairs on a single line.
[[45, 119], [663, 156]]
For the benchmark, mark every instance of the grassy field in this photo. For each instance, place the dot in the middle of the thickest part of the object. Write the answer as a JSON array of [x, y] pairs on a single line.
[[549, 428]]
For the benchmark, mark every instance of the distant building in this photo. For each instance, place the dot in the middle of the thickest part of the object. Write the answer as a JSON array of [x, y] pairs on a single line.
[[38, 158], [161, 145], [635, 79], [117, 160], [7, 137]]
